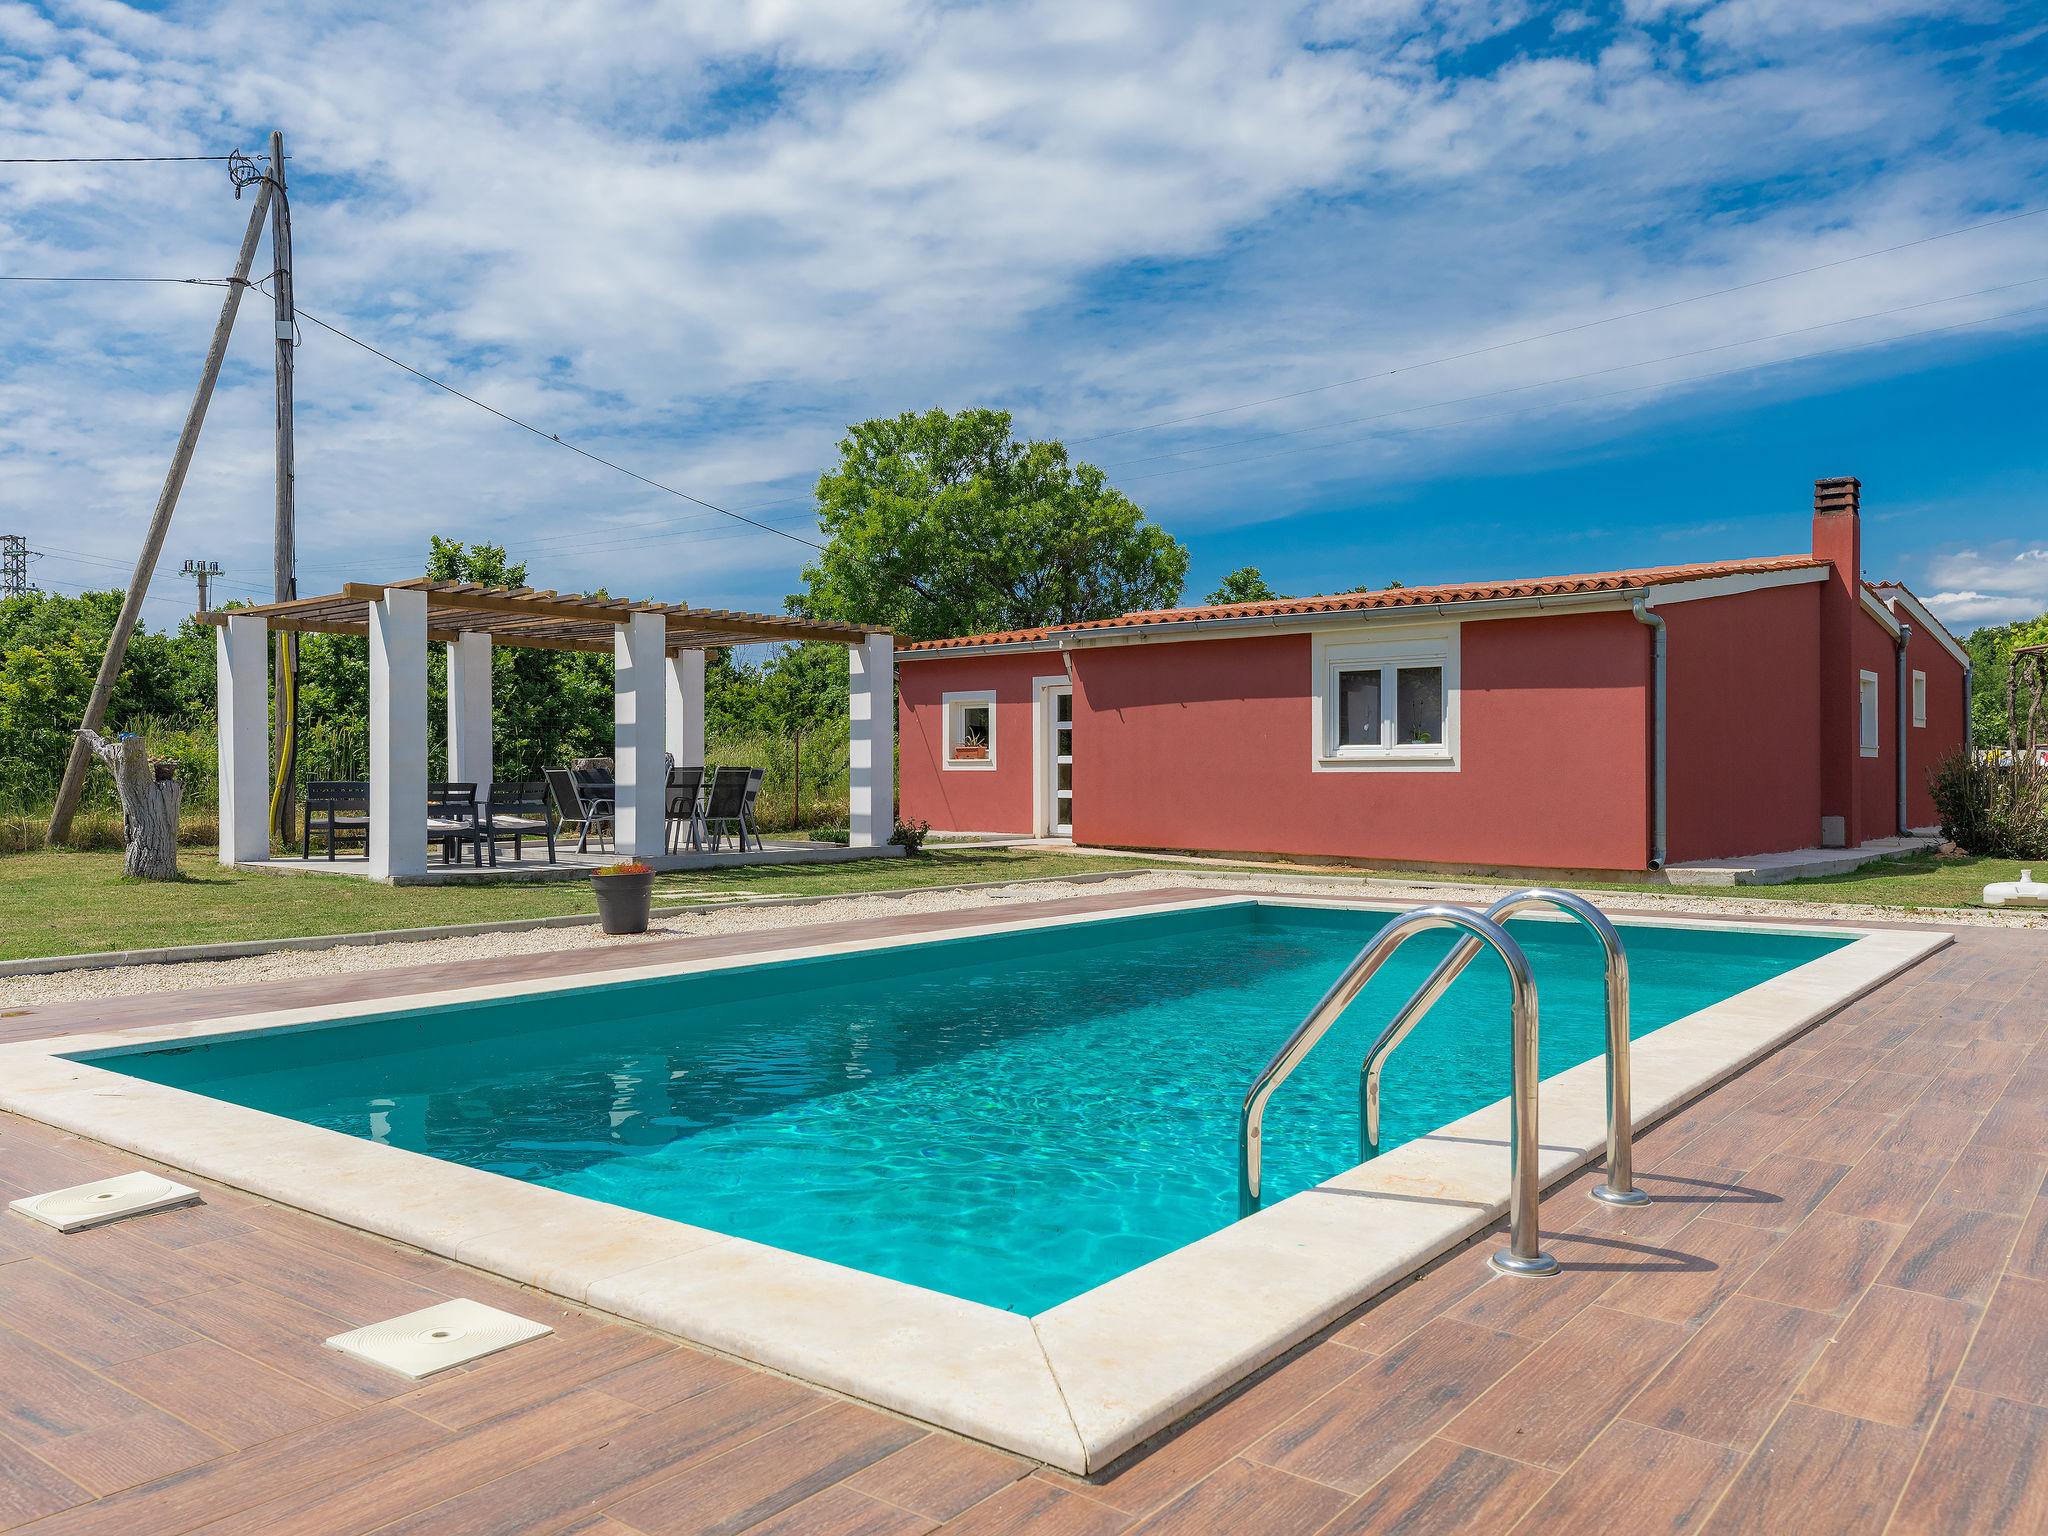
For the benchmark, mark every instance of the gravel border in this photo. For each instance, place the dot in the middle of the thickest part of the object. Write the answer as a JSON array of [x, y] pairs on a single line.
[[377, 952]]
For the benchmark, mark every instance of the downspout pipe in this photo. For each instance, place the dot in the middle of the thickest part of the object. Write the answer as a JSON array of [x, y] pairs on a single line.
[[1905, 638], [1641, 608]]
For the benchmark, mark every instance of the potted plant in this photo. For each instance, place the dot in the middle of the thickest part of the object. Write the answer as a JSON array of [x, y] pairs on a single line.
[[625, 896], [973, 747]]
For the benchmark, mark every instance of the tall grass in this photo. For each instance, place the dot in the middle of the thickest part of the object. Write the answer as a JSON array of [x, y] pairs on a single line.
[[820, 801], [25, 805], [781, 808]]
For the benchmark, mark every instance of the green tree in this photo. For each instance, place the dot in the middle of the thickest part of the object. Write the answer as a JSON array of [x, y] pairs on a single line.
[[1244, 585], [1990, 650], [944, 524]]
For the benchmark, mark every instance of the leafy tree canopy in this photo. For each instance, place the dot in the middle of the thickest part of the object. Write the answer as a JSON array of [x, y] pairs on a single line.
[[1990, 650], [1244, 585], [943, 524]]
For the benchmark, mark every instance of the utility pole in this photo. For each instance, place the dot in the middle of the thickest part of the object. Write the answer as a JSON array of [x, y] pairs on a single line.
[[284, 537], [14, 558], [203, 571], [159, 525]]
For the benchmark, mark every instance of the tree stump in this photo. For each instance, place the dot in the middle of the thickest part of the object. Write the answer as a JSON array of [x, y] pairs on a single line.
[[149, 806]]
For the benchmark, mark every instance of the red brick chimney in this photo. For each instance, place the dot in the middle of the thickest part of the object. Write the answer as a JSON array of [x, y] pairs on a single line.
[[1838, 539]]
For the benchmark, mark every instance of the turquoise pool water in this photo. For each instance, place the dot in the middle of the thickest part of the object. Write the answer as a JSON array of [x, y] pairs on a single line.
[[1008, 1118]]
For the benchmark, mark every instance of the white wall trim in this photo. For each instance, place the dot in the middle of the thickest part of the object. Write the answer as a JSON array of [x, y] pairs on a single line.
[[1878, 611], [1427, 644], [1925, 623], [1041, 791], [962, 698], [1670, 592]]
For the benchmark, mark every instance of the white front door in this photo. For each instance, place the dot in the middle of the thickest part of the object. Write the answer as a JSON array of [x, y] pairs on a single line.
[[1058, 768]]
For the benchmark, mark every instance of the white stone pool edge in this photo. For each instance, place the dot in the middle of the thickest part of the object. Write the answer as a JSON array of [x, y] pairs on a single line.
[[1076, 1386]]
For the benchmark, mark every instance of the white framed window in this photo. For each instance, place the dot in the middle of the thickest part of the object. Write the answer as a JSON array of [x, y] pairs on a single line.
[[1920, 700], [1866, 724], [971, 730], [1386, 700]]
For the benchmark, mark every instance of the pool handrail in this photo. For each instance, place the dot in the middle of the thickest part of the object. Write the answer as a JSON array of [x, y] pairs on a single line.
[[1619, 1189], [1523, 1255]]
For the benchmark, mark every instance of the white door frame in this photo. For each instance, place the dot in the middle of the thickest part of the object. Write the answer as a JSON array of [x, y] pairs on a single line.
[[1042, 766]]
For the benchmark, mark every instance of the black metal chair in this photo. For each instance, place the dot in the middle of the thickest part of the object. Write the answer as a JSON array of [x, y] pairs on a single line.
[[518, 809], [452, 821], [340, 805], [571, 805], [683, 809], [731, 804]]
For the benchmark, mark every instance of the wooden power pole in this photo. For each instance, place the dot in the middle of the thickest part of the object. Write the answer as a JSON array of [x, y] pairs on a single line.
[[284, 552], [159, 525]]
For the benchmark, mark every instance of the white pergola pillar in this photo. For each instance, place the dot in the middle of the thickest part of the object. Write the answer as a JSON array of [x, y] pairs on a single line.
[[639, 732], [241, 652], [686, 708], [398, 733], [469, 710], [871, 706]]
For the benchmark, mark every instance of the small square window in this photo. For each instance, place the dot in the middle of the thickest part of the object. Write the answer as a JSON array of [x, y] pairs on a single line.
[[1920, 699], [1387, 702], [970, 730]]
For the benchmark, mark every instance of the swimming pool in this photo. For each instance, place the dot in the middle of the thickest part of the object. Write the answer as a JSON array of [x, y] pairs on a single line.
[[1012, 1119]]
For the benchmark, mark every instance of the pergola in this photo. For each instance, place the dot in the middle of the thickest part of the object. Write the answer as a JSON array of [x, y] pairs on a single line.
[[658, 700]]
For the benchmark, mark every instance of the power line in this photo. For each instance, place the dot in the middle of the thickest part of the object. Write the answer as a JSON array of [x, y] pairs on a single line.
[[204, 282], [100, 159], [527, 426], [1520, 341]]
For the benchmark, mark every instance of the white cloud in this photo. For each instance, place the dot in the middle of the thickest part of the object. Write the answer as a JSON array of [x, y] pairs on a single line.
[[700, 239], [1994, 587]]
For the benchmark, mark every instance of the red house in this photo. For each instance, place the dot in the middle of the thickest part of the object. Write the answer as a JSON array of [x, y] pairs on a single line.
[[1618, 721]]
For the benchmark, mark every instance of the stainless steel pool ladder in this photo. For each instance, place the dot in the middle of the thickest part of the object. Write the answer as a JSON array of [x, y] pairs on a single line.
[[1620, 1186], [1523, 1255]]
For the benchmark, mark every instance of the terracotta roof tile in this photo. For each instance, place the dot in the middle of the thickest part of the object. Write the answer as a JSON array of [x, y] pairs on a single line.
[[1392, 597]]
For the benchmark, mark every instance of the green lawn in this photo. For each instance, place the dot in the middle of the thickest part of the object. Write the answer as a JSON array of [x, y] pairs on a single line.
[[70, 903], [1923, 881], [61, 903]]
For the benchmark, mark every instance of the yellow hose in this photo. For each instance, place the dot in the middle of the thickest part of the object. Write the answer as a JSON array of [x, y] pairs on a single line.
[[290, 705]]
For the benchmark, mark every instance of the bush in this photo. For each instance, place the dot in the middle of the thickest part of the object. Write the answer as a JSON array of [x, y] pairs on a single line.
[[1992, 808], [910, 835]]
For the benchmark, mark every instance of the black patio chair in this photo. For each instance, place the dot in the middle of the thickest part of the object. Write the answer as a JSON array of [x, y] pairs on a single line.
[[518, 809], [452, 821], [731, 804], [335, 806], [683, 809], [571, 805]]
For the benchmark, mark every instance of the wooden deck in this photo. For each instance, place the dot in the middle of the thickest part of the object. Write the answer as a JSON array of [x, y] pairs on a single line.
[[1834, 1318]]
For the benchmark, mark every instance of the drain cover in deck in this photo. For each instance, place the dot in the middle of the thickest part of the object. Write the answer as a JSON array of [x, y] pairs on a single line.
[[88, 1205], [436, 1338]]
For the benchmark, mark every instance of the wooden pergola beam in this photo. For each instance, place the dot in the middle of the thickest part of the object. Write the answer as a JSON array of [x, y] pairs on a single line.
[[541, 619]]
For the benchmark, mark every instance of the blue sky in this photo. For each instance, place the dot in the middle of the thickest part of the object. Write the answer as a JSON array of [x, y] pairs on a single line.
[[700, 239]]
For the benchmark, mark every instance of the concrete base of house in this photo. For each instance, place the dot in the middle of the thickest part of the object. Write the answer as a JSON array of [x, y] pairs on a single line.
[[570, 864], [1799, 863]]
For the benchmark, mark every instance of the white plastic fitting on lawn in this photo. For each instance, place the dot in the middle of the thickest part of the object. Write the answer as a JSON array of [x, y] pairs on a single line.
[[2023, 892]]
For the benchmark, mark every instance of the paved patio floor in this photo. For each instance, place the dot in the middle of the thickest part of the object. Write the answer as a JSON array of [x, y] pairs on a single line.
[[1834, 1318]]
